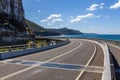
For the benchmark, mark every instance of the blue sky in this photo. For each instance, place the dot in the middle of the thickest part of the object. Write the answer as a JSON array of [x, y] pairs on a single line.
[[89, 16]]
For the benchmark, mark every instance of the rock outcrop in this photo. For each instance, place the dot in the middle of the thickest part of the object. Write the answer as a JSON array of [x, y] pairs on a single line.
[[12, 11], [13, 29]]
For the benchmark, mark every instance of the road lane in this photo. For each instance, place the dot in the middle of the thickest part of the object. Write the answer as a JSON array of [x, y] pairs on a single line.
[[90, 59], [6, 69], [79, 56], [46, 74], [99, 57], [98, 60], [48, 54], [90, 76], [74, 53]]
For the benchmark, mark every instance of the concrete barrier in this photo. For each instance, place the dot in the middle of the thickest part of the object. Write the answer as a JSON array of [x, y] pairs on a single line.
[[11, 54], [107, 66]]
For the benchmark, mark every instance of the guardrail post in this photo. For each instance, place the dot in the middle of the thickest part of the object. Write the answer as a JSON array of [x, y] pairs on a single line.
[[41, 44], [9, 49], [25, 46], [34, 45]]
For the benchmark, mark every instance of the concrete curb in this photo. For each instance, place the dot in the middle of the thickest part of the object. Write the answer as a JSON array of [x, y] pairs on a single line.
[[12, 54]]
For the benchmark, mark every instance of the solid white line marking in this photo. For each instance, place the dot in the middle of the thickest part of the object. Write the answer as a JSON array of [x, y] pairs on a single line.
[[26, 69], [78, 77]]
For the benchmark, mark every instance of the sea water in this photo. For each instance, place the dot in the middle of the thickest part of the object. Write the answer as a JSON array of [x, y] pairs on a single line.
[[94, 36]]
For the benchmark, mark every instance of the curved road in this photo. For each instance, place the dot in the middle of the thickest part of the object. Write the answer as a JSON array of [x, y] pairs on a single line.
[[79, 60]]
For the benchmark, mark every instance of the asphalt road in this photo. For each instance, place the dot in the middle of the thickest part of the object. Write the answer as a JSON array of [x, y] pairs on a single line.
[[78, 60]]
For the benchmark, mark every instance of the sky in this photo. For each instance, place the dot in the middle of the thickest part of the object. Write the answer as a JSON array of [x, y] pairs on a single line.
[[88, 16]]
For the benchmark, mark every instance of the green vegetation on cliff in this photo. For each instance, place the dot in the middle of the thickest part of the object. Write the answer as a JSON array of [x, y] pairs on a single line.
[[66, 31], [40, 31], [34, 27]]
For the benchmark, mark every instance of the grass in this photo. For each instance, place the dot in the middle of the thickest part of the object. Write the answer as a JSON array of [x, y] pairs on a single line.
[[7, 49], [3, 49]]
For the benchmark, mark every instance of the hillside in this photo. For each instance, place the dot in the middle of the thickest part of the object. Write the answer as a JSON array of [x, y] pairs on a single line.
[[34, 27], [66, 31], [40, 31]]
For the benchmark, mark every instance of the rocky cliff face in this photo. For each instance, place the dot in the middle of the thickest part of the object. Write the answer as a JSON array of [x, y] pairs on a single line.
[[13, 28], [12, 11]]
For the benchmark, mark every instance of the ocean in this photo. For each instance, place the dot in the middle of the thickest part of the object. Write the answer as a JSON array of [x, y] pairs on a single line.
[[106, 37]]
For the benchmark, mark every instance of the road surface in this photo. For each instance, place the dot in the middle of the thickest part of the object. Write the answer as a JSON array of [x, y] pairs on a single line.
[[78, 60]]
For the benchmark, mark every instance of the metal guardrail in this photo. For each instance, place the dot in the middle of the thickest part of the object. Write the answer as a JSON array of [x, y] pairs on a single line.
[[20, 47], [10, 54], [25, 46], [13, 46], [10, 48]]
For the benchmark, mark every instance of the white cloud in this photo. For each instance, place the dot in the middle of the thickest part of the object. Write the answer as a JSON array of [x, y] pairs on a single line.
[[49, 24], [81, 17], [39, 11], [95, 7], [54, 16], [98, 16], [101, 5], [115, 6], [55, 20], [44, 20]]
